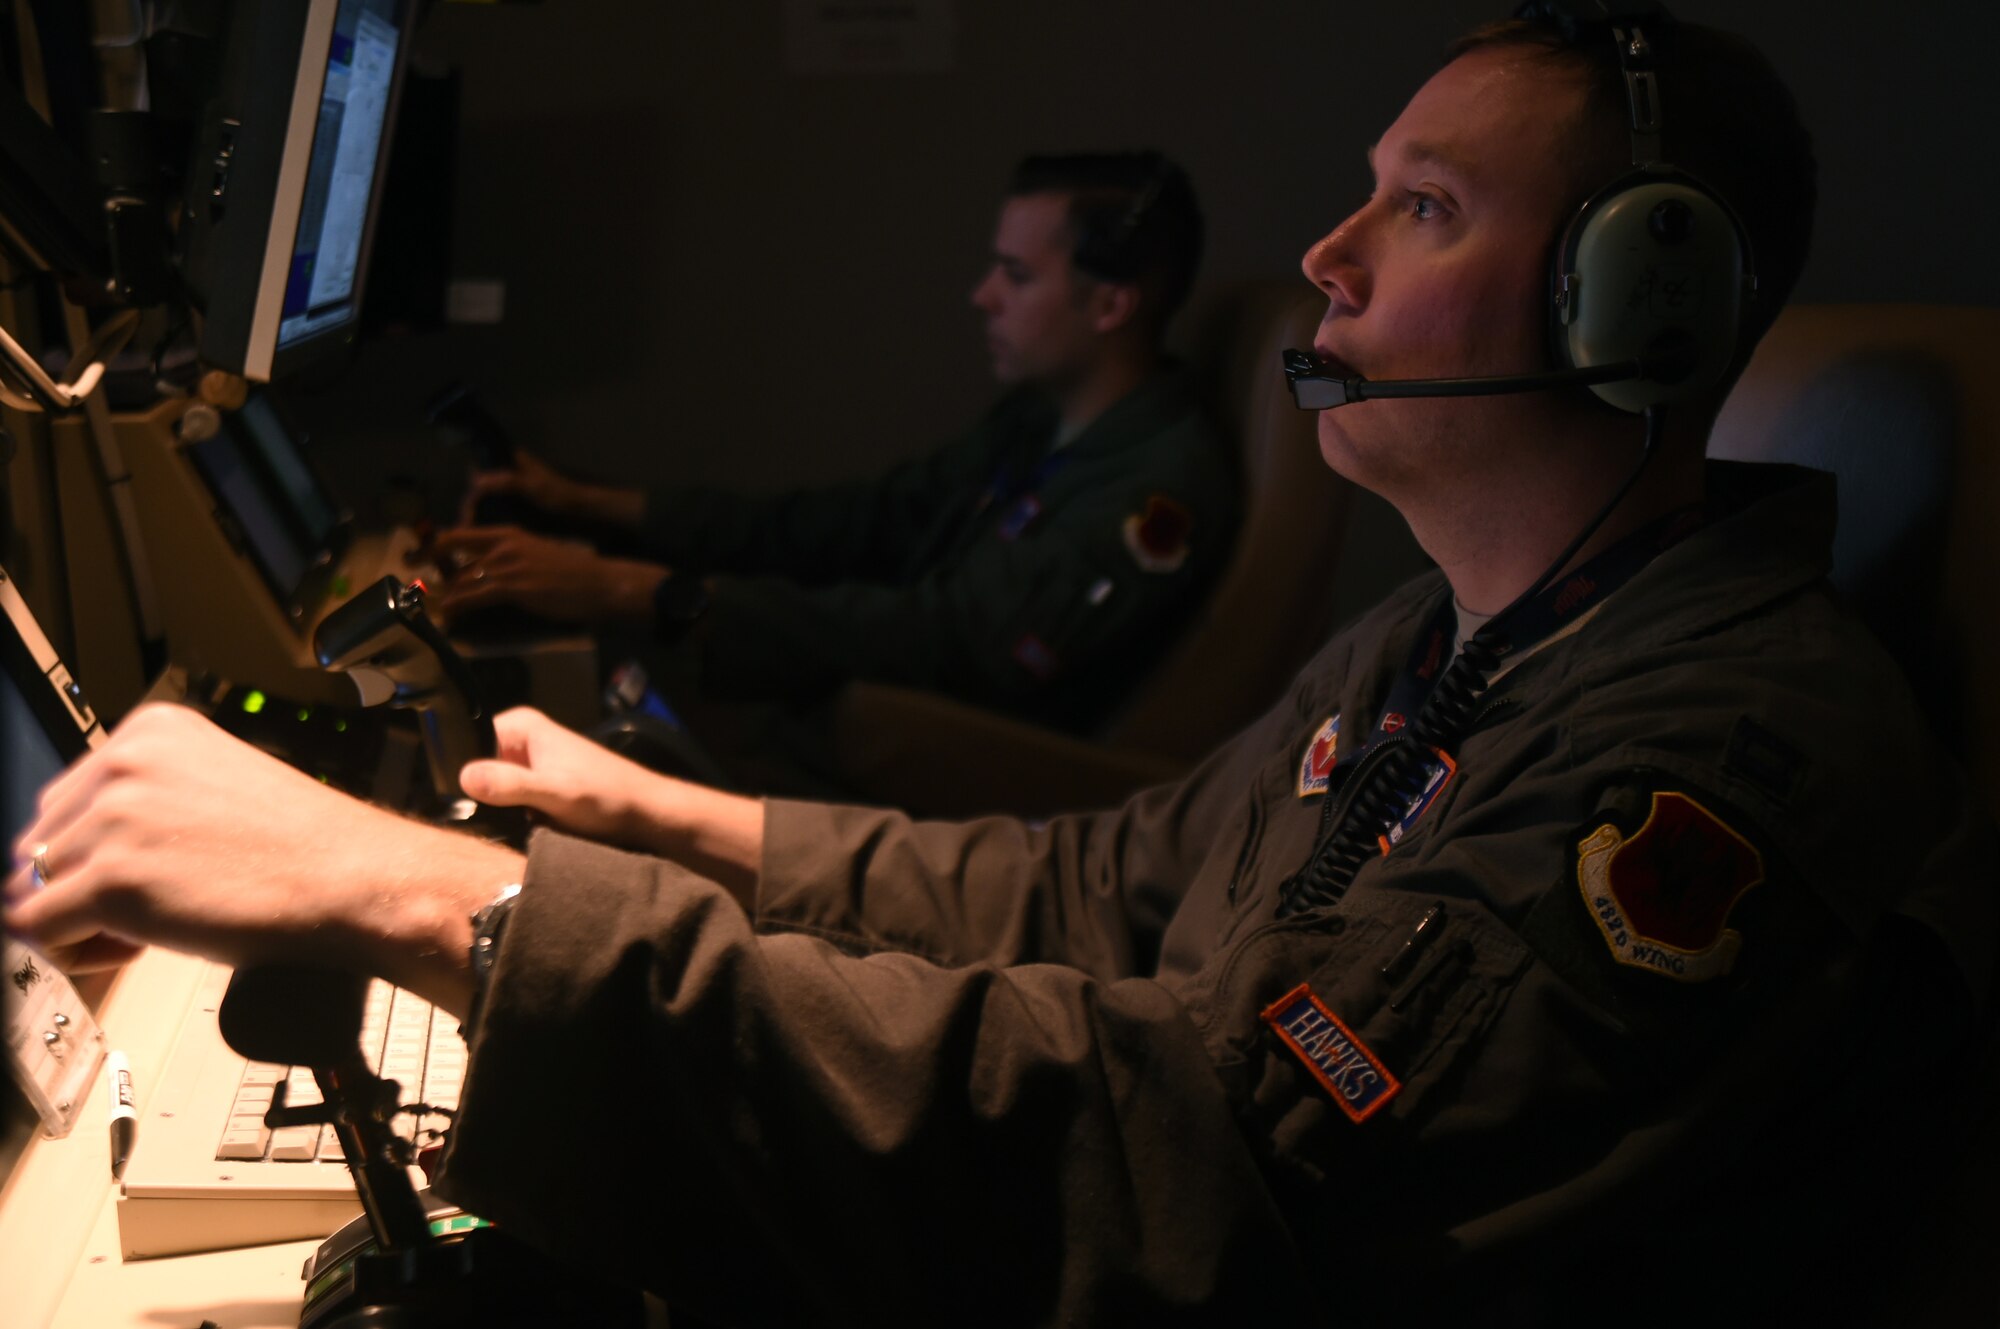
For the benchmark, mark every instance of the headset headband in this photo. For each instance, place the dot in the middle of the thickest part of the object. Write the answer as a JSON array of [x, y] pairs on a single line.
[[1631, 29]]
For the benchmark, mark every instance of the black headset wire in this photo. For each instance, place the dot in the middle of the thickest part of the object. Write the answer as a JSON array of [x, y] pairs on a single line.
[[1394, 773]]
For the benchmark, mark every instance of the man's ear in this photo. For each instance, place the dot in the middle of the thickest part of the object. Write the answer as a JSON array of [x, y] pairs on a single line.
[[1113, 305]]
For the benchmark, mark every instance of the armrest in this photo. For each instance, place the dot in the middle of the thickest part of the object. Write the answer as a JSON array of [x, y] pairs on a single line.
[[891, 743]]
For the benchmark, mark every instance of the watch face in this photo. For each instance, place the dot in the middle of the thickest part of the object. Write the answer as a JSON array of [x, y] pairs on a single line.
[[486, 928]]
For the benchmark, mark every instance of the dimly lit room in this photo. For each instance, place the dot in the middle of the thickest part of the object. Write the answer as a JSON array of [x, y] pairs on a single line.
[[834, 662]]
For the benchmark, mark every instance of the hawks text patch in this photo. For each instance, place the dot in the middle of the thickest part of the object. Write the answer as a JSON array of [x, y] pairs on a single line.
[[1360, 1084]]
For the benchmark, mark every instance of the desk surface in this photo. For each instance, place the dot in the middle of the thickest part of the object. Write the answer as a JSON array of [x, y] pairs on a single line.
[[59, 1248]]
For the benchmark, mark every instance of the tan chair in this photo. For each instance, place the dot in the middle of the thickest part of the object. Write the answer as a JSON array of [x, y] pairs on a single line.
[[1270, 609], [1902, 403]]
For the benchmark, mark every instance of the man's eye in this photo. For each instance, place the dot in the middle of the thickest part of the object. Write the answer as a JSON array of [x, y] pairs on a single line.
[[1425, 208]]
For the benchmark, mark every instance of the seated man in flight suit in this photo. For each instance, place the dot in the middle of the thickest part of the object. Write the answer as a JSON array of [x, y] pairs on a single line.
[[1486, 984], [1036, 564]]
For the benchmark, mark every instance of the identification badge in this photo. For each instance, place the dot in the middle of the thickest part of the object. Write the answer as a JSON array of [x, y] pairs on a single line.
[[1437, 774]]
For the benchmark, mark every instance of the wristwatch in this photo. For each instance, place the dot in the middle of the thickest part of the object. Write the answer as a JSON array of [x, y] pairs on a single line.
[[677, 601], [488, 923]]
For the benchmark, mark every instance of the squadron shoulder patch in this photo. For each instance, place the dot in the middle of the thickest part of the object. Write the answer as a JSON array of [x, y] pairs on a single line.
[[1158, 537], [1316, 766], [1663, 895], [1360, 1084]]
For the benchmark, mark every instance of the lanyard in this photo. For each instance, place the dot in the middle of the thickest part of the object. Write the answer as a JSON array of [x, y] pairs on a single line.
[[1536, 622]]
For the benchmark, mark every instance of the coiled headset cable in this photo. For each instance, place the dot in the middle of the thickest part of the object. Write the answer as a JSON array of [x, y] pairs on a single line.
[[1392, 775]]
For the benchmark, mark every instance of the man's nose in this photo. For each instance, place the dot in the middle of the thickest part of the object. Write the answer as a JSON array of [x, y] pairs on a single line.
[[1337, 264], [982, 294]]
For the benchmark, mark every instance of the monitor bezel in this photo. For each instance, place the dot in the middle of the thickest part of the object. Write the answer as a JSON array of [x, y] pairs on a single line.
[[42, 678], [258, 131]]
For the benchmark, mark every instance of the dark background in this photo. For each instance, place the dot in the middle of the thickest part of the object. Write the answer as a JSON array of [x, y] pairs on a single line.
[[718, 269]]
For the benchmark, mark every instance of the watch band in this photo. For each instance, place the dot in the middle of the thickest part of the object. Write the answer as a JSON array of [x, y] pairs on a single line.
[[489, 923]]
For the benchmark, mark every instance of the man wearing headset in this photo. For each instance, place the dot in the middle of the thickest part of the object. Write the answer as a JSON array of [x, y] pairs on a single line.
[[1032, 565], [1510, 985]]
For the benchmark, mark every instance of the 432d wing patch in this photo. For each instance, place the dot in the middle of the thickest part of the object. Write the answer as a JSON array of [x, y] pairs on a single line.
[[1662, 896]]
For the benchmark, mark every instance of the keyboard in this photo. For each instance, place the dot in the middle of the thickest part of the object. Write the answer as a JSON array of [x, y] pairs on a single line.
[[207, 1174]]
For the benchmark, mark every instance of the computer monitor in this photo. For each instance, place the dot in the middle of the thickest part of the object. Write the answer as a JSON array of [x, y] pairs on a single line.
[[289, 172], [272, 503], [45, 723]]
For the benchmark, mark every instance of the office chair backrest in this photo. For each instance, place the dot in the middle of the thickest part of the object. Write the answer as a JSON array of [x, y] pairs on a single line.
[[1273, 604], [1902, 404]]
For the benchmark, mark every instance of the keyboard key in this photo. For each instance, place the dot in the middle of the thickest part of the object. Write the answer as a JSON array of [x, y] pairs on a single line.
[[295, 1144], [243, 1141]]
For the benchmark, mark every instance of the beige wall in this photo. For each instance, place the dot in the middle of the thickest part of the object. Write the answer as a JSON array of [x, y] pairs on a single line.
[[717, 270]]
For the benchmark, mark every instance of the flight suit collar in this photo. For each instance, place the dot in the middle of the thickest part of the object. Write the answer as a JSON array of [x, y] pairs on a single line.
[[1769, 534], [1157, 404]]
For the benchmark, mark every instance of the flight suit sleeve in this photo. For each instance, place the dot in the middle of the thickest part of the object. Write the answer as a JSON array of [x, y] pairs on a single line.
[[782, 1132], [1005, 623], [862, 530], [1093, 890], [819, 1134]]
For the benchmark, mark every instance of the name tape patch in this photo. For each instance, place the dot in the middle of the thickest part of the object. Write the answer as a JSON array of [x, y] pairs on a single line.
[[1358, 1081]]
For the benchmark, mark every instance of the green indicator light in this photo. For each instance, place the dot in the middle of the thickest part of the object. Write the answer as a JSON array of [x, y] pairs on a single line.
[[305, 714], [253, 702], [340, 726]]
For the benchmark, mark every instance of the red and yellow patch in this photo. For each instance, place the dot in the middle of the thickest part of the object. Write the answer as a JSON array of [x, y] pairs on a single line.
[[1662, 896], [1316, 766], [1158, 537]]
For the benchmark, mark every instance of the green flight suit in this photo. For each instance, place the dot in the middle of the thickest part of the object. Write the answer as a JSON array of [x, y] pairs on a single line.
[[991, 570], [1015, 1073]]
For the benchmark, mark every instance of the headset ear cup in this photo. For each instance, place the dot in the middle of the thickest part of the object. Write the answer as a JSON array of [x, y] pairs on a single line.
[[1654, 268]]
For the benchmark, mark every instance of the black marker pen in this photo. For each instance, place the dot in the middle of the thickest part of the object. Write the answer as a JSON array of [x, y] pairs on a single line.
[[124, 1121]]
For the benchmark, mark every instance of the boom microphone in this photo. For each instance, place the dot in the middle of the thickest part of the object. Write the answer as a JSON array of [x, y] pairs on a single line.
[[1318, 386]]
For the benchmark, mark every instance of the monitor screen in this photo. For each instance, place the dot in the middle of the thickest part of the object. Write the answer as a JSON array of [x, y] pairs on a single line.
[[46, 720], [266, 436], [246, 502], [294, 152], [323, 286], [45, 723]]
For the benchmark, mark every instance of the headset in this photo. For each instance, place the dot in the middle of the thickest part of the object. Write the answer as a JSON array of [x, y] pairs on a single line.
[[1650, 280], [1646, 295], [1108, 252]]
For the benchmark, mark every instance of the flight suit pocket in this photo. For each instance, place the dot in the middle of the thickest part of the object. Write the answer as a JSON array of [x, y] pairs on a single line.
[[1337, 1035]]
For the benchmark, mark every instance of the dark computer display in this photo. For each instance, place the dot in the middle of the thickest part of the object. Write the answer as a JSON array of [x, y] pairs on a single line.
[[45, 724], [291, 158], [264, 432], [324, 282], [246, 502], [28, 760], [42, 731]]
